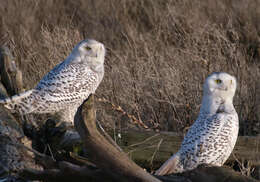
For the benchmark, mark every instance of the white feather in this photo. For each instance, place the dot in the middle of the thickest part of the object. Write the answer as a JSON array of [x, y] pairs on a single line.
[[66, 86], [213, 135]]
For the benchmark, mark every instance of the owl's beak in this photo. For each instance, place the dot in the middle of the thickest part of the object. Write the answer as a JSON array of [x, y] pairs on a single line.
[[224, 88]]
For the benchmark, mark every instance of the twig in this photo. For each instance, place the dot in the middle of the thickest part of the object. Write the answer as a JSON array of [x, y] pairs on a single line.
[[29, 149], [141, 148], [156, 150], [120, 109], [244, 170], [45, 161], [49, 148], [146, 140], [82, 159], [108, 137], [106, 156]]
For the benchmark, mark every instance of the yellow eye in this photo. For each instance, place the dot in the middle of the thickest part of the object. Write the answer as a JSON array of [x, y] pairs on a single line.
[[218, 81], [88, 48]]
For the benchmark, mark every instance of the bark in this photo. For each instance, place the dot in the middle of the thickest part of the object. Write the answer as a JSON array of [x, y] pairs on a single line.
[[11, 75], [151, 149], [144, 148], [104, 154], [13, 158]]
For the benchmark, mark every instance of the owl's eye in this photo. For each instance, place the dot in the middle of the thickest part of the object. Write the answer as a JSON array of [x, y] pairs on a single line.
[[218, 81], [88, 48]]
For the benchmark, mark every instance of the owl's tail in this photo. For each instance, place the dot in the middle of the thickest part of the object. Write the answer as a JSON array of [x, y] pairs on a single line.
[[170, 166], [19, 103]]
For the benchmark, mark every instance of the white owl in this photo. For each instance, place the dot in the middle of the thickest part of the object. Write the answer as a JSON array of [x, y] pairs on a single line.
[[66, 86], [212, 137]]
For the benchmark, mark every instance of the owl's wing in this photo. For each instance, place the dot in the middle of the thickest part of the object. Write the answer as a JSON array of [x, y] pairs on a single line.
[[209, 138], [206, 139], [63, 84], [67, 83]]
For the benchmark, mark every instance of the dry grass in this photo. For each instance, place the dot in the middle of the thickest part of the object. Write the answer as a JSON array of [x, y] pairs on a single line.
[[159, 52]]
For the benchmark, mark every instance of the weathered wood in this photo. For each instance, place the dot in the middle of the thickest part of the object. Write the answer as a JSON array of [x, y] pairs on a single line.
[[66, 172], [216, 174], [102, 153], [3, 92], [114, 165], [11, 75], [208, 174], [13, 158], [143, 147]]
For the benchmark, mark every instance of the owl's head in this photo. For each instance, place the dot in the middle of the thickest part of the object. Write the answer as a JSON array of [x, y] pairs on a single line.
[[90, 51], [220, 84]]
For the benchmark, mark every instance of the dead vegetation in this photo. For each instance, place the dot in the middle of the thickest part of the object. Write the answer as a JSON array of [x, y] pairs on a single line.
[[158, 52], [110, 163]]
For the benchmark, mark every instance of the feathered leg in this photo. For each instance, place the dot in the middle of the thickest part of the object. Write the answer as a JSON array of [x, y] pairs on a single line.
[[67, 115]]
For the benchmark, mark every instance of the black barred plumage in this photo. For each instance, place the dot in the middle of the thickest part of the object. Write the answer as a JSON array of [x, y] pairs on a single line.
[[212, 137], [66, 86]]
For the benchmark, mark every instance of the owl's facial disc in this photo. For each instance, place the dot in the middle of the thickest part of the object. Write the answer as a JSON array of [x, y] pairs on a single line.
[[220, 84], [90, 48]]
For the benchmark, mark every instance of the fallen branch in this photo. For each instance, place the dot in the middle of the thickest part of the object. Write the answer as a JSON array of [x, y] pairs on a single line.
[[66, 172], [104, 154], [11, 75], [247, 148], [114, 165]]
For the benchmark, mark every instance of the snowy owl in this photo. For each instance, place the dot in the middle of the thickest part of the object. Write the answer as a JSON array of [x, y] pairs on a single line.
[[212, 137], [66, 86]]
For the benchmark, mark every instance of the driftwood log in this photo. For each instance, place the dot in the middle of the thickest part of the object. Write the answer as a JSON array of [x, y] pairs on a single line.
[[114, 165], [151, 148], [13, 158], [104, 154], [11, 75]]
